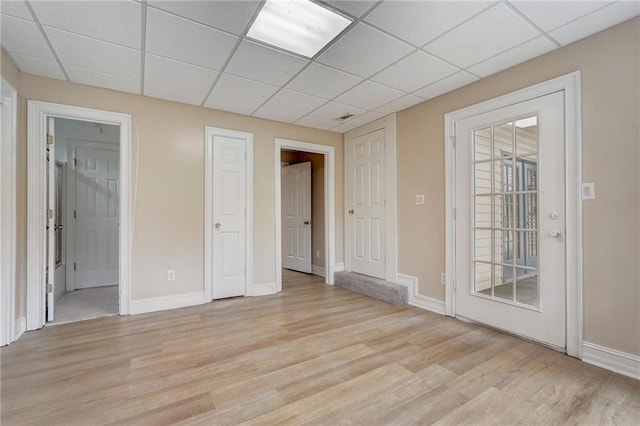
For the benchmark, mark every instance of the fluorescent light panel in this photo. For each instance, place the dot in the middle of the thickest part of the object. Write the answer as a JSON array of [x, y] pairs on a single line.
[[299, 26]]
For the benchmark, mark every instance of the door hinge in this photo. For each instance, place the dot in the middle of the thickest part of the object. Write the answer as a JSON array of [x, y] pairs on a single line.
[[74, 266], [455, 286], [49, 139], [454, 213], [74, 214], [75, 162], [49, 214], [49, 288]]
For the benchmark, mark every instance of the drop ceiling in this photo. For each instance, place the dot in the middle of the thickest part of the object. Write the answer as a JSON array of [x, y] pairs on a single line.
[[394, 55]]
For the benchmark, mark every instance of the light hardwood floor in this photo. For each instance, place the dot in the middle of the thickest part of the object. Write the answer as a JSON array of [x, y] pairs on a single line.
[[313, 354]]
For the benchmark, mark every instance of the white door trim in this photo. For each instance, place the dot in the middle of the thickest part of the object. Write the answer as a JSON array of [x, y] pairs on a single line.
[[329, 204], [388, 123], [209, 133], [9, 98], [571, 85], [38, 112]]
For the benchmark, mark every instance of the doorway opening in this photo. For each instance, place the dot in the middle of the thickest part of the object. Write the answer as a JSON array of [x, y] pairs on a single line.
[[86, 216], [305, 209], [302, 200], [88, 176]]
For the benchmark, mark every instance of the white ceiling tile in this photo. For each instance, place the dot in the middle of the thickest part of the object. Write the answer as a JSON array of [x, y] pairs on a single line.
[[294, 102], [178, 75], [118, 22], [37, 66], [486, 35], [316, 123], [446, 85], [322, 81], [186, 41], [365, 118], [597, 21], [98, 79], [343, 127], [419, 22], [95, 55], [264, 64], [515, 56], [277, 115], [369, 95], [364, 51], [415, 71], [24, 37], [242, 90], [16, 8], [332, 110], [552, 14], [399, 104], [355, 8], [229, 105], [171, 94], [231, 16]]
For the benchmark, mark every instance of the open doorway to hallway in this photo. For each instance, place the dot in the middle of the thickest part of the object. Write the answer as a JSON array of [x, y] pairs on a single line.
[[84, 187], [302, 212]]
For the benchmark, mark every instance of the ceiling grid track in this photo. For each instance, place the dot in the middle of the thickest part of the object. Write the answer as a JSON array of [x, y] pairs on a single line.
[[46, 39], [143, 43]]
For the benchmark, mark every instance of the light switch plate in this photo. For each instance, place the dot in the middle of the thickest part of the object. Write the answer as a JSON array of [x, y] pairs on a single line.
[[589, 191], [419, 199]]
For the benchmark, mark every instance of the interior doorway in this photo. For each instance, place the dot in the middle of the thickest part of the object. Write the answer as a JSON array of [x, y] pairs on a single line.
[[44, 174], [86, 183], [314, 241], [302, 195]]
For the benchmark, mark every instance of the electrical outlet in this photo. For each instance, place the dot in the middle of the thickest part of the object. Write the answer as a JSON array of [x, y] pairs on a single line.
[[589, 191], [419, 199], [443, 278], [171, 275]]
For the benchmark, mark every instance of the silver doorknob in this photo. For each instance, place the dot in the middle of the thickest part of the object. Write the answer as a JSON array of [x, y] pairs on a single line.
[[218, 225], [351, 211], [555, 233], [307, 222]]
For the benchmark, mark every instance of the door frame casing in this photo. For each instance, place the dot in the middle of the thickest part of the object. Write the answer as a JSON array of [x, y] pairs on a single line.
[[570, 84], [388, 124], [8, 214], [38, 112], [209, 133], [329, 204]]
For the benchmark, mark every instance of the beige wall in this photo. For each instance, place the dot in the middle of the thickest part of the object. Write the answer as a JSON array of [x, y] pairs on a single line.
[[169, 207], [609, 63], [317, 200]]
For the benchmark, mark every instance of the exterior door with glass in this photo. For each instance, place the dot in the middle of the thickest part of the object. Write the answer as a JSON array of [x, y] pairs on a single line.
[[510, 225]]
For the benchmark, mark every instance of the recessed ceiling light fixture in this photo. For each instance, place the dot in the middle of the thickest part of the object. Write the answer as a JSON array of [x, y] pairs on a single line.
[[299, 26]]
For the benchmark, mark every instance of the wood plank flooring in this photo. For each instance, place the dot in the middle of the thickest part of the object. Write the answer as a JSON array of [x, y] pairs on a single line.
[[313, 354]]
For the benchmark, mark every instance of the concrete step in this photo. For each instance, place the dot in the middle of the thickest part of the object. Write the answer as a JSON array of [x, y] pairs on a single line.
[[392, 293]]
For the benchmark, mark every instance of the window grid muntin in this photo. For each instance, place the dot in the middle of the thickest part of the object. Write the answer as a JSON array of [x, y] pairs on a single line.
[[527, 224]]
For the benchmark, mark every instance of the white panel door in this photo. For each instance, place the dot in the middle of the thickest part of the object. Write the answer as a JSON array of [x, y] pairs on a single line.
[[510, 225], [296, 217], [97, 192], [366, 204], [50, 218], [229, 216]]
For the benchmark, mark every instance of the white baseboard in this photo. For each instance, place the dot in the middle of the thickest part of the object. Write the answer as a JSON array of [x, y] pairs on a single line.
[[20, 328], [153, 304], [263, 289], [611, 359], [416, 299], [338, 267], [318, 270]]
